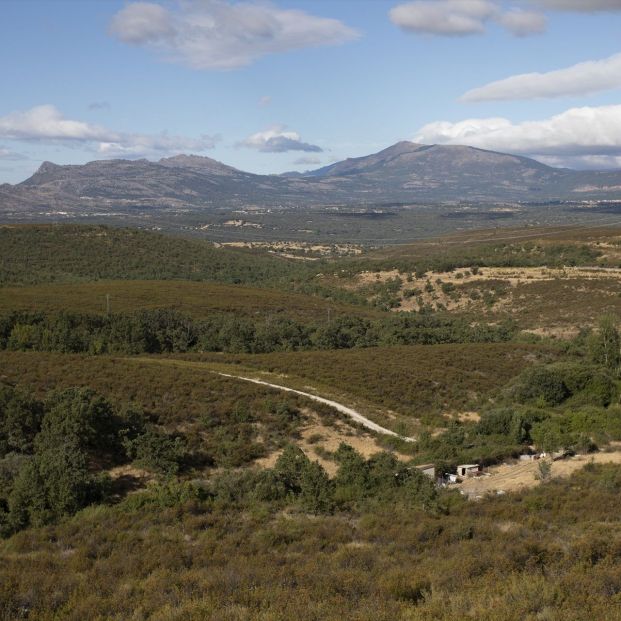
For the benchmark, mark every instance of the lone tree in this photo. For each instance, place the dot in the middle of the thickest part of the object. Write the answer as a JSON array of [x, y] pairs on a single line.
[[605, 346]]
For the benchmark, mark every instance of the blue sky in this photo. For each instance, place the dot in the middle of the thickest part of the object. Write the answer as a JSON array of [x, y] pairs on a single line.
[[297, 84]]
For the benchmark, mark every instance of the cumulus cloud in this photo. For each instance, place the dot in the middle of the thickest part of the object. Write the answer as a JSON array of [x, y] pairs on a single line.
[[218, 34], [278, 140], [47, 124], [463, 17], [265, 101], [577, 132], [584, 6], [581, 79]]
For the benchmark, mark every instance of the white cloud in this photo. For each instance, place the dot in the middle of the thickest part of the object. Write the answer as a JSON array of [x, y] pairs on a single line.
[[581, 79], [523, 23], [583, 162], [144, 145], [143, 22], [307, 161], [278, 140], [443, 17], [265, 101], [218, 34], [47, 124], [578, 132], [7, 154], [583, 6], [463, 17]]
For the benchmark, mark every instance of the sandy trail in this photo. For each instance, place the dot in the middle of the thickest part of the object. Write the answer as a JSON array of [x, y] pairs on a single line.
[[351, 413]]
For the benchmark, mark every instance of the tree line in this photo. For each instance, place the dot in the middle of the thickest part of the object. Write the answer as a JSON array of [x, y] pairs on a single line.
[[170, 331]]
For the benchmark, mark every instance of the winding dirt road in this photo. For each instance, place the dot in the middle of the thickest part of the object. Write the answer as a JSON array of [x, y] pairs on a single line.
[[353, 414]]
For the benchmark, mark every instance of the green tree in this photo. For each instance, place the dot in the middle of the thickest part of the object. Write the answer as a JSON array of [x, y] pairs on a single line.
[[290, 467], [316, 489], [544, 470], [385, 473], [20, 420], [54, 483], [81, 414], [543, 384], [605, 345], [548, 436], [352, 477]]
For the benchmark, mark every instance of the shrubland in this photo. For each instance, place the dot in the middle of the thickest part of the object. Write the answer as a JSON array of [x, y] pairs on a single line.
[[222, 552], [226, 517]]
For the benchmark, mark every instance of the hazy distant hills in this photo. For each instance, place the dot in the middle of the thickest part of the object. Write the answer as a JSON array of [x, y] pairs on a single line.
[[404, 173]]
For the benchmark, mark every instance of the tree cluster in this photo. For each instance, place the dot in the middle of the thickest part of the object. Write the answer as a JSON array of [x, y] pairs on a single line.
[[53, 453], [169, 331]]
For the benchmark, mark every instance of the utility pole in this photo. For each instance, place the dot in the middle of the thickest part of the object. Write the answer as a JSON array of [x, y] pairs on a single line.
[[107, 303]]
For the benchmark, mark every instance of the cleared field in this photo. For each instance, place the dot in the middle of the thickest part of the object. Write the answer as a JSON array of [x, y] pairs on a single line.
[[519, 476], [198, 299]]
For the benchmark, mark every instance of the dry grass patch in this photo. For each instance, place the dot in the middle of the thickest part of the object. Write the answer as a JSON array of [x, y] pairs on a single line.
[[523, 475]]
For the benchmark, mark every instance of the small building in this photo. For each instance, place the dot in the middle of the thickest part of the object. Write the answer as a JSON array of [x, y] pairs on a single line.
[[428, 470], [468, 470]]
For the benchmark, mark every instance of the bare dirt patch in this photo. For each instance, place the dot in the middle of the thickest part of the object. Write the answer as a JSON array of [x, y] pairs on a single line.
[[556, 301], [318, 439], [466, 417], [521, 475], [298, 250], [127, 479]]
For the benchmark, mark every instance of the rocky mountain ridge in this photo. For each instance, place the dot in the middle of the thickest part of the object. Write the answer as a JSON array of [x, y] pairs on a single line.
[[403, 173]]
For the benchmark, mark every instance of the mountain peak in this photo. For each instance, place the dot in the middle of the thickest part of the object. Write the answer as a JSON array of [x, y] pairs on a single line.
[[47, 167], [197, 162], [403, 146]]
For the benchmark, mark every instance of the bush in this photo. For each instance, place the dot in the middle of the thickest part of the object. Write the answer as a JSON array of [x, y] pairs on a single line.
[[156, 451]]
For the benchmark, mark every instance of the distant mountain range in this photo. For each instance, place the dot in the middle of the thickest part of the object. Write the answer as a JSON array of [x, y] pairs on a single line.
[[404, 173]]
